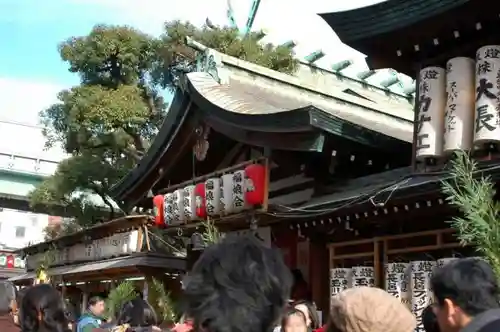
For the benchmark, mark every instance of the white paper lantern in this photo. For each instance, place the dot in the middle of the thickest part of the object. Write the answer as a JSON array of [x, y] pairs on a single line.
[[212, 196], [226, 193], [397, 277], [460, 101], [189, 203], [362, 276], [421, 293], [339, 280], [168, 208], [430, 120], [178, 203], [18, 262], [239, 189], [487, 119]]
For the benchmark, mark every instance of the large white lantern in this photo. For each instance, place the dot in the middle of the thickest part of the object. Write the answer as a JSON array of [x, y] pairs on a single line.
[[212, 196], [239, 189], [460, 101], [226, 193], [189, 203], [487, 117], [178, 206], [430, 118], [168, 208], [421, 294]]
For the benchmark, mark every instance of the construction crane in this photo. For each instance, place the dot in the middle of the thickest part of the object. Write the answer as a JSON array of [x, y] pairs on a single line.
[[251, 17]]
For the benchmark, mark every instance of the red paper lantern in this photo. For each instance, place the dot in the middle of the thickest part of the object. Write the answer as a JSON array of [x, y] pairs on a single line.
[[201, 208], [10, 261], [255, 177], [158, 203]]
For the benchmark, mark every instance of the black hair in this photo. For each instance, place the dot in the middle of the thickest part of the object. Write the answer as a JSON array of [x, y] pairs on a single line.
[[429, 320], [237, 285], [137, 313], [7, 295], [42, 309], [94, 300], [313, 314], [469, 283], [297, 276], [291, 312]]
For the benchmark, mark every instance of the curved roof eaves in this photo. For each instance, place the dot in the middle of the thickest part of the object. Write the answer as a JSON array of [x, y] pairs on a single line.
[[362, 23]]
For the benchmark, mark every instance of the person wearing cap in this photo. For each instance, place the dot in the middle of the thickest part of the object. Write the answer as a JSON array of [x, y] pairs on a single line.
[[369, 309]]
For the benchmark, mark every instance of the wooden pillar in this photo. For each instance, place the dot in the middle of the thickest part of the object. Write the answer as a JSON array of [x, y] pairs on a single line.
[[319, 275], [85, 298]]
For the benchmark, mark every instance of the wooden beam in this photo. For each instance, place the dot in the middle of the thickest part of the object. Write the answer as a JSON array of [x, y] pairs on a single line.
[[230, 156]]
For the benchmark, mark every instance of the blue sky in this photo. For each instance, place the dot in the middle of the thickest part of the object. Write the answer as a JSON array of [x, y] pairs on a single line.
[[31, 72]]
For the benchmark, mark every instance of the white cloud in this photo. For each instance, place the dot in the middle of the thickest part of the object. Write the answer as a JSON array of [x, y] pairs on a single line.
[[22, 100], [20, 103]]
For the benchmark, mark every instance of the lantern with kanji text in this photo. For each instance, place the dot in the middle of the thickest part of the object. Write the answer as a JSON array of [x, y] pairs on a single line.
[[212, 196], [168, 208], [239, 189], [178, 204], [189, 203]]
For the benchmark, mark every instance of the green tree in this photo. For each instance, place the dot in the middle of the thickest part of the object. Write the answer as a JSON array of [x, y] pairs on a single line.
[[478, 225], [107, 122], [177, 57]]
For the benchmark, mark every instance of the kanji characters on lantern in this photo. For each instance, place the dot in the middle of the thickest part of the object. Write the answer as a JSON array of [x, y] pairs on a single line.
[[212, 196], [168, 208], [189, 203], [217, 196]]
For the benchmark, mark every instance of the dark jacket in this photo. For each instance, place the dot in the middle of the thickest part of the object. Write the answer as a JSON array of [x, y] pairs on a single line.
[[488, 321]]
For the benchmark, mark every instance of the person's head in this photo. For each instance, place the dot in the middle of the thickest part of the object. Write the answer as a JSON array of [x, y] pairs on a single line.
[[463, 289], [369, 309], [137, 313], [309, 312], [429, 320], [237, 285], [42, 309], [293, 320], [96, 306]]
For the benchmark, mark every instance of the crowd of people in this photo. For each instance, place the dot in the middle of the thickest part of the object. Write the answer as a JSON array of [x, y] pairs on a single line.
[[239, 285]]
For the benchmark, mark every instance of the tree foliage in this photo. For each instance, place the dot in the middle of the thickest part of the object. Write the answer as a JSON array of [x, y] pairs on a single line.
[[177, 57], [107, 122], [478, 226]]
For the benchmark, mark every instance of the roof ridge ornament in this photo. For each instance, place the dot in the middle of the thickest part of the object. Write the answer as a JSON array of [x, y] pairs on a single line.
[[210, 61]]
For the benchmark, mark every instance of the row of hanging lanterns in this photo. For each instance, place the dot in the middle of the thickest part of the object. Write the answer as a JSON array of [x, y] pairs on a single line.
[[231, 193], [12, 261]]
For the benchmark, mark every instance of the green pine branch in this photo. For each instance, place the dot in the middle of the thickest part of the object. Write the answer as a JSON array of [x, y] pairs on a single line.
[[161, 301], [211, 234], [473, 195], [118, 296]]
